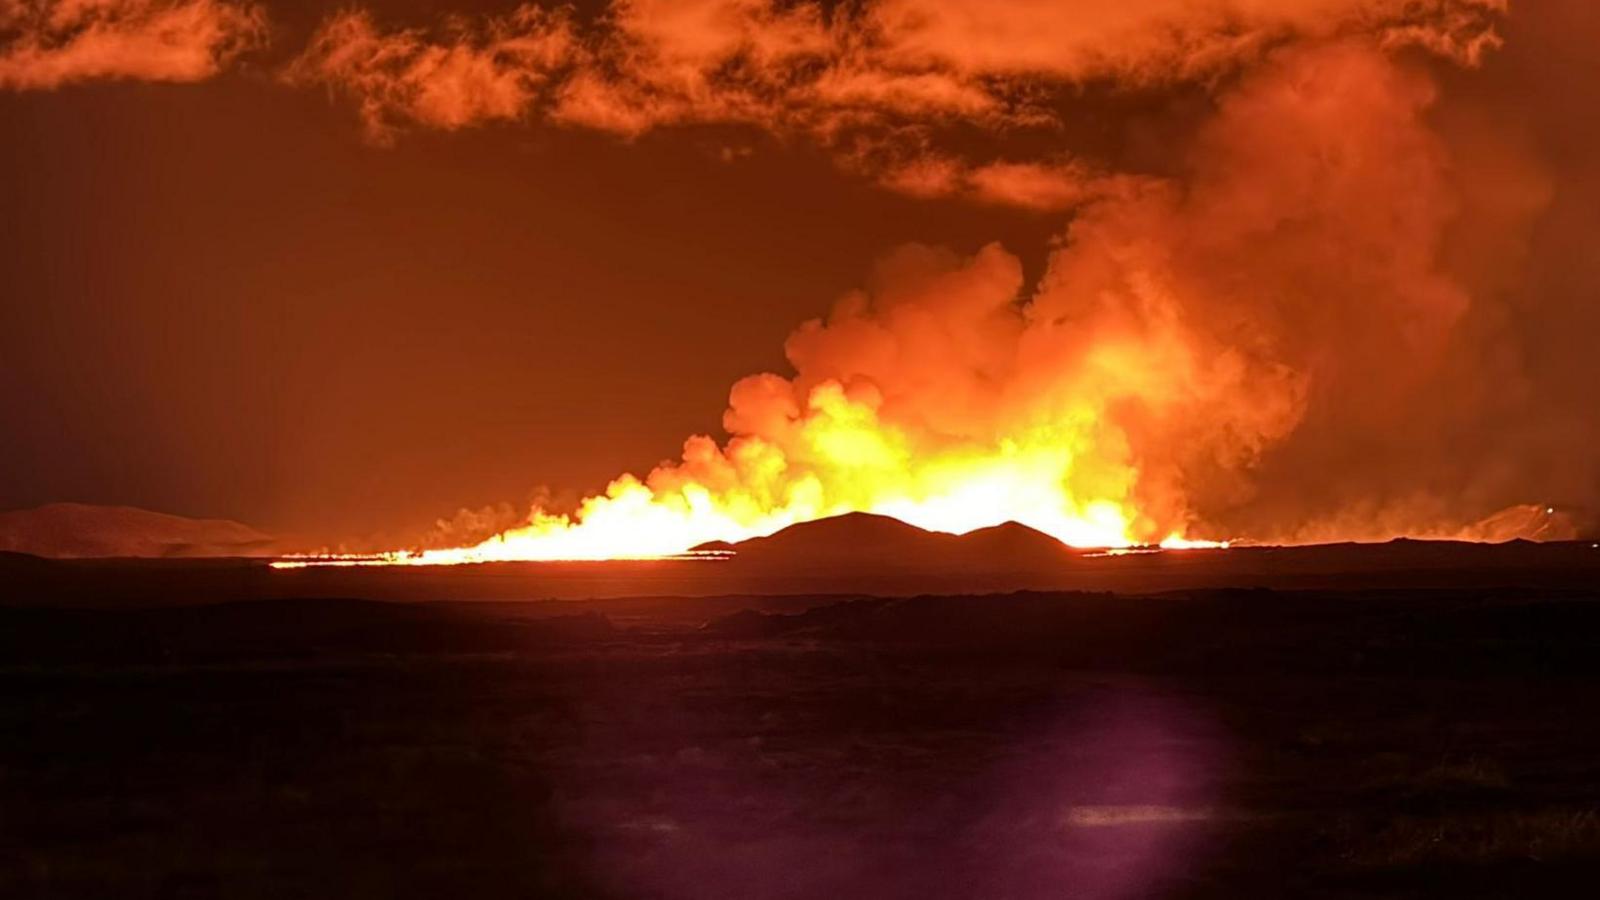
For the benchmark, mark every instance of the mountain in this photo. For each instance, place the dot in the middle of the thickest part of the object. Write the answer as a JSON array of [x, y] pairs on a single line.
[[880, 542], [1015, 545], [77, 530]]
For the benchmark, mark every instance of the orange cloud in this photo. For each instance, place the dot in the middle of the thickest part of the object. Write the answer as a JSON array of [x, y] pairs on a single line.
[[872, 84], [49, 43], [1034, 185], [1455, 29], [662, 62], [1043, 186], [473, 74], [1148, 40]]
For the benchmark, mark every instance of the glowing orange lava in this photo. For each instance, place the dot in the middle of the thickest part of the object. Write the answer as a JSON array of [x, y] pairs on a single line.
[[838, 456]]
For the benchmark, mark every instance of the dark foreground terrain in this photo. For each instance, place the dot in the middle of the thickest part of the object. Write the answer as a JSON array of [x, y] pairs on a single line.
[[1333, 742]]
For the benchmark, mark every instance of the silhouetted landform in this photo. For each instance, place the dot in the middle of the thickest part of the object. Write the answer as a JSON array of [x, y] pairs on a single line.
[[850, 555], [77, 530], [864, 540]]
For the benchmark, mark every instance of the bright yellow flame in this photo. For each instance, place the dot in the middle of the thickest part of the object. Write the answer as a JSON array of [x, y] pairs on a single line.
[[841, 458]]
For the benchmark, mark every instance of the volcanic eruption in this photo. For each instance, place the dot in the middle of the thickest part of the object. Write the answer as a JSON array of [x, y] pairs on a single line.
[[1267, 335], [1136, 449]]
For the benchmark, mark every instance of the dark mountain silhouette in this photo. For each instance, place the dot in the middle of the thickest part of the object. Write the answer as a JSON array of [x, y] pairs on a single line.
[[884, 543], [1013, 543], [78, 531]]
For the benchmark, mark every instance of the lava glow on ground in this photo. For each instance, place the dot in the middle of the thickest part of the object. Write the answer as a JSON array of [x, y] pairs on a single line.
[[557, 540], [631, 522]]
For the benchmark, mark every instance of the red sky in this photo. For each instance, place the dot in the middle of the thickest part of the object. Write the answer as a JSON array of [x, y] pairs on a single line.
[[245, 276]]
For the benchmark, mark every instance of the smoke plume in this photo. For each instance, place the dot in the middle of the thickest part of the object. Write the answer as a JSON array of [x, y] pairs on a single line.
[[1303, 322]]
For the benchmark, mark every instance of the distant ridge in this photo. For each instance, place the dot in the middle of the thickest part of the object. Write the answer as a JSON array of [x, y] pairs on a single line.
[[83, 531], [881, 542]]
